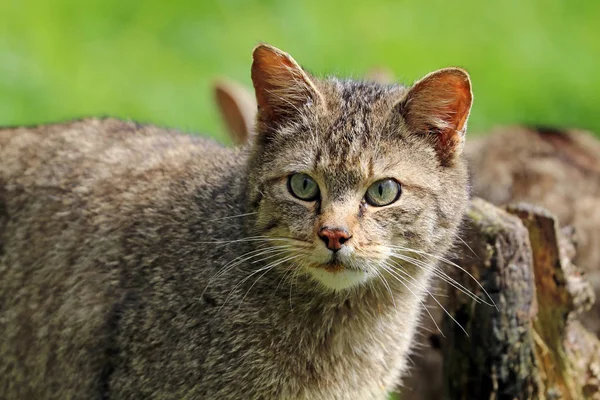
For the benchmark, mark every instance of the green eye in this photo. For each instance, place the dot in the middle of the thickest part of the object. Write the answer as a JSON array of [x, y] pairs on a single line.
[[303, 187], [383, 192]]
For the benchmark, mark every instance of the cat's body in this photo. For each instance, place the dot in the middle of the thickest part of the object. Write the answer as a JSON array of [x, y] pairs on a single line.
[[113, 239], [121, 289], [83, 205]]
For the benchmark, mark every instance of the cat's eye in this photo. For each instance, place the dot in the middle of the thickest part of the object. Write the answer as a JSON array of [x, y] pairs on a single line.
[[303, 187], [383, 192]]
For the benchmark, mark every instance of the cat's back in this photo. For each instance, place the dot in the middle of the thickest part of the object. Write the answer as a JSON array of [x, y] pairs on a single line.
[[95, 148], [103, 163], [75, 198]]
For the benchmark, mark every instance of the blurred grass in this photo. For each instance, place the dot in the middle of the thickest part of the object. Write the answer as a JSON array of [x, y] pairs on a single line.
[[534, 62]]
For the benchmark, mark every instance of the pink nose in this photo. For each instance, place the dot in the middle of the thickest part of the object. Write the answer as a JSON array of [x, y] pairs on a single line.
[[334, 238]]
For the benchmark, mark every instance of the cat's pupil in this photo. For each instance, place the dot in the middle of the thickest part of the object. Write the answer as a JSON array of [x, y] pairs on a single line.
[[303, 186], [383, 192]]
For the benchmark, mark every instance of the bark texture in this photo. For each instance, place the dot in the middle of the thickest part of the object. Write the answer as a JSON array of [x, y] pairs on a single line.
[[530, 345]]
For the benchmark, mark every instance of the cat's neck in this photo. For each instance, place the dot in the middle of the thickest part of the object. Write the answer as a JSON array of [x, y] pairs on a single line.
[[296, 300]]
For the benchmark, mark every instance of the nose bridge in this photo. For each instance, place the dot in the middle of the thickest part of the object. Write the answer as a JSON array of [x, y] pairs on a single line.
[[337, 215]]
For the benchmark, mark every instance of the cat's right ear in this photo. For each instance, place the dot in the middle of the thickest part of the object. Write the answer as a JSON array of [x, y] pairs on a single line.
[[282, 87]]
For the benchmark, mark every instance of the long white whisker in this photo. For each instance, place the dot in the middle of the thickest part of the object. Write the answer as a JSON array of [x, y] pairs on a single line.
[[441, 275], [288, 272], [271, 266], [292, 281], [233, 216], [249, 255], [452, 264], [248, 239], [243, 258], [400, 279], [268, 267], [433, 297], [385, 283], [277, 254], [465, 243]]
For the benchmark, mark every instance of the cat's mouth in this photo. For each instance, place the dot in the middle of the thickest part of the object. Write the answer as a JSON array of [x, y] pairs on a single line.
[[336, 265], [337, 275], [337, 270], [333, 266]]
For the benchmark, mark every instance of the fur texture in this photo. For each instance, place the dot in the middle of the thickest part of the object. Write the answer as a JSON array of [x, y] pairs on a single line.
[[137, 262]]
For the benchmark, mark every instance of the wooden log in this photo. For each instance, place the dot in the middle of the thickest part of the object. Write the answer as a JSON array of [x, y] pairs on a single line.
[[530, 346], [554, 168], [567, 355]]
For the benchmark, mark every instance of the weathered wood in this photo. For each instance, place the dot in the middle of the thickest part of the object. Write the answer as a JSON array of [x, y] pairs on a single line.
[[498, 355], [553, 168], [531, 346], [565, 351]]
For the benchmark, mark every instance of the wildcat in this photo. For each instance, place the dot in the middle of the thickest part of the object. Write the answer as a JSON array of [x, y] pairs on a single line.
[[138, 262], [558, 169]]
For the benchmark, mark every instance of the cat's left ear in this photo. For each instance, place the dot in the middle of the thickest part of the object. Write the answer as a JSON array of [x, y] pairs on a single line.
[[439, 105]]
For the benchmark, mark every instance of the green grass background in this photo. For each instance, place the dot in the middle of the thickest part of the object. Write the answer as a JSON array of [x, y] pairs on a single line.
[[153, 61]]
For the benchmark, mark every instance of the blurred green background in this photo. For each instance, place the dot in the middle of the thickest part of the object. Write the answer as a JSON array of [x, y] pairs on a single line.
[[154, 61]]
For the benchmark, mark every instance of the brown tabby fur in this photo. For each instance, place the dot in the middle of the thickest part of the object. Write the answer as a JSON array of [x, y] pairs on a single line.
[[556, 168], [559, 169], [131, 257]]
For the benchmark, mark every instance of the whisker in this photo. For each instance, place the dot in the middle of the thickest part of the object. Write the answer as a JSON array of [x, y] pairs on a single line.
[[293, 281], [267, 257], [434, 299], [232, 216], [248, 256], [271, 266], [248, 239], [268, 267], [287, 272], [443, 276], [243, 258], [465, 243], [385, 283], [448, 262], [390, 270]]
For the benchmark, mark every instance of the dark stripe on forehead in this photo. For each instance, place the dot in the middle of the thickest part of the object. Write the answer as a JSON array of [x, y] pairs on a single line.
[[318, 156], [341, 182], [364, 93], [348, 133], [371, 168]]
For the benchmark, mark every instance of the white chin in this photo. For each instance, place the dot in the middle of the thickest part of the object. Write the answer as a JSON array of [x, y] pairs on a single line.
[[339, 280]]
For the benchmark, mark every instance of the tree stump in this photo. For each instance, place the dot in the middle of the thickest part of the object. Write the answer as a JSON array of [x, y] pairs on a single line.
[[530, 345]]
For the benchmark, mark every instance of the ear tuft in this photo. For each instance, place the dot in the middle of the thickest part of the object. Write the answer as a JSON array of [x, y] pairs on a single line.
[[282, 87], [440, 104]]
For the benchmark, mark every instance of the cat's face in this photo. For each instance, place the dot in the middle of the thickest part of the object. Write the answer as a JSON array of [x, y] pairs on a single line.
[[343, 185]]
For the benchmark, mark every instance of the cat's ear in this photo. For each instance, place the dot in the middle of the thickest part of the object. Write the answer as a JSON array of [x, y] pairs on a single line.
[[439, 105], [282, 87]]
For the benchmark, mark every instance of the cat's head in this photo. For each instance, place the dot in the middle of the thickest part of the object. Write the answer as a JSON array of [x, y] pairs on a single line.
[[347, 176]]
